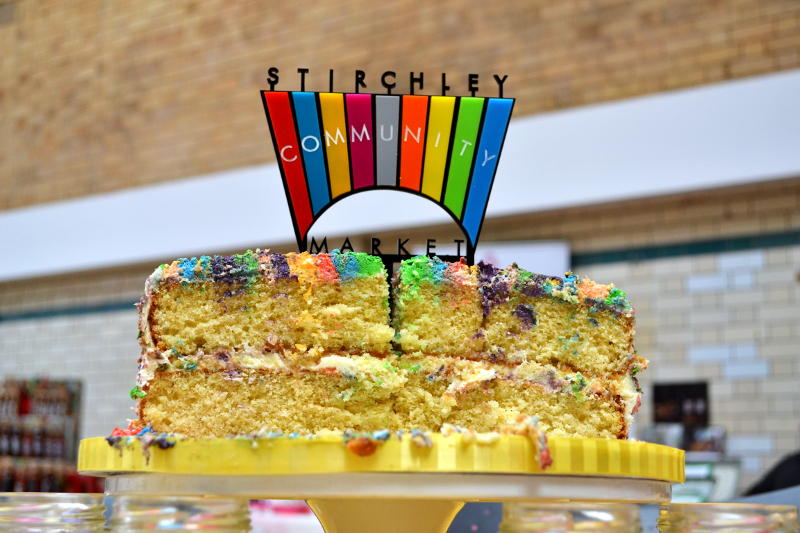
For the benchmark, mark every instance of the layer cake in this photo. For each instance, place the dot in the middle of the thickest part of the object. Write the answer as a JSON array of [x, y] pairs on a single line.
[[302, 343]]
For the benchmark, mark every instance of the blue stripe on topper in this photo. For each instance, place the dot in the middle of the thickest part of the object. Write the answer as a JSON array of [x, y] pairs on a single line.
[[305, 107], [495, 123]]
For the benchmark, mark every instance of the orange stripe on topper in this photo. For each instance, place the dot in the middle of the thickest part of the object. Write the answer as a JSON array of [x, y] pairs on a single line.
[[412, 140], [334, 129]]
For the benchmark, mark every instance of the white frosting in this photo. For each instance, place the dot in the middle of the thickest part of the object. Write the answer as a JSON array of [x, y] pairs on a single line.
[[465, 374], [630, 397], [254, 359], [379, 372], [150, 359]]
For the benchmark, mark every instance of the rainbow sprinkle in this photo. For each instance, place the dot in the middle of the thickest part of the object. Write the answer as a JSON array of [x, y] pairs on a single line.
[[248, 267]]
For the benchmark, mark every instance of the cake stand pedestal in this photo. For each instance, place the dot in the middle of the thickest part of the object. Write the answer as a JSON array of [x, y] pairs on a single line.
[[401, 487]]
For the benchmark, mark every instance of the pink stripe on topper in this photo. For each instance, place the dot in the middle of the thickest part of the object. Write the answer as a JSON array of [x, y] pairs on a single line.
[[359, 135]]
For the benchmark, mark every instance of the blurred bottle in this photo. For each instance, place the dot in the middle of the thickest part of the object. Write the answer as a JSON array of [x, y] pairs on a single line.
[[42, 397], [59, 473], [46, 477], [62, 397], [54, 437], [51, 513], [19, 478], [37, 436], [6, 474], [5, 435], [569, 517], [15, 437], [24, 405], [727, 518], [72, 481], [135, 514], [26, 437], [9, 398], [32, 479]]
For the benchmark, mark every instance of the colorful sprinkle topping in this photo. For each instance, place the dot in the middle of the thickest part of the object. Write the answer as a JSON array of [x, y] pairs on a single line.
[[137, 393], [418, 270], [526, 315], [578, 383], [498, 286], [247, 267], [351, 265]]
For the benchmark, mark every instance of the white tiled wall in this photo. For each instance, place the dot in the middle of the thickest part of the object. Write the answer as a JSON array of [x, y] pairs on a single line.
[[732, 319]]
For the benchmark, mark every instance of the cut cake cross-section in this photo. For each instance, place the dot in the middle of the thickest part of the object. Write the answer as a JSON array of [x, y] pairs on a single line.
[[301, 343]]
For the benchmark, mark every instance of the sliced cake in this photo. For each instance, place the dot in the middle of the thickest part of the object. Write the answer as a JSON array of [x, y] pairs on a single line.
[[301, 343], [366, 393], [258, 302], [571, 323], [513, 316], [437, 307]]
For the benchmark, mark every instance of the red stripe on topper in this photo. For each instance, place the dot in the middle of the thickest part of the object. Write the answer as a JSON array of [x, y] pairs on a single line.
[[412, 145], [359, 133], [288, 152]]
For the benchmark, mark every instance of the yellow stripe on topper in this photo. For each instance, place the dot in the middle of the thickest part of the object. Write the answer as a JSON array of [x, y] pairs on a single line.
[[334, 133], [440, 121]]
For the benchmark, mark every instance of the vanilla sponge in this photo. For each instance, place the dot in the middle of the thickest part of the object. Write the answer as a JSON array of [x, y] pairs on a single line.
[[260, 302], [512, 315], [377, 393]]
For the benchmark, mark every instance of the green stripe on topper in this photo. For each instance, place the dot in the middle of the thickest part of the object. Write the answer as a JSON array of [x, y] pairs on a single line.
[[462, 150]]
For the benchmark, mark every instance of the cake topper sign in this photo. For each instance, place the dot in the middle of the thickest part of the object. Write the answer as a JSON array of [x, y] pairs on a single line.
[[333, 145]]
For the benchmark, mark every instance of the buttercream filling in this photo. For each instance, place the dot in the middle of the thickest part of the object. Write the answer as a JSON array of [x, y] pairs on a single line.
[[392, 372]]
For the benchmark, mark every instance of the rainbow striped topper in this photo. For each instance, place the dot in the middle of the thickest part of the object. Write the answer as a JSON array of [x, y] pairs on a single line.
[[333, 145]]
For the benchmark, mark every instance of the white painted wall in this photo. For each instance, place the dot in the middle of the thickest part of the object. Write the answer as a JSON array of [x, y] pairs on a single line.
[[735, 132]]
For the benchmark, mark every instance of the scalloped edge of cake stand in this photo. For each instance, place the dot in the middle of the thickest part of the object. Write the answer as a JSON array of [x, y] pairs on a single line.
[[435, 453], [405, 484]]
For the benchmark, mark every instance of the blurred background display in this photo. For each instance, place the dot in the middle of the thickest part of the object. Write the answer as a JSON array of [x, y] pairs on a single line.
[[39, 428]]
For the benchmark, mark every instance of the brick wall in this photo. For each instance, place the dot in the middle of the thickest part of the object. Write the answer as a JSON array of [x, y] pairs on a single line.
[[97, 96]]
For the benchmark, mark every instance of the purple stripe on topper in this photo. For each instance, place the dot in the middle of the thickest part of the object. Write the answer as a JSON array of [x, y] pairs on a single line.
[[360, 137]]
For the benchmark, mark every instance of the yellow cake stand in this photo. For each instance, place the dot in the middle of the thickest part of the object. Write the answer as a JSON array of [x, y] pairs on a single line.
[[406, 485]]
